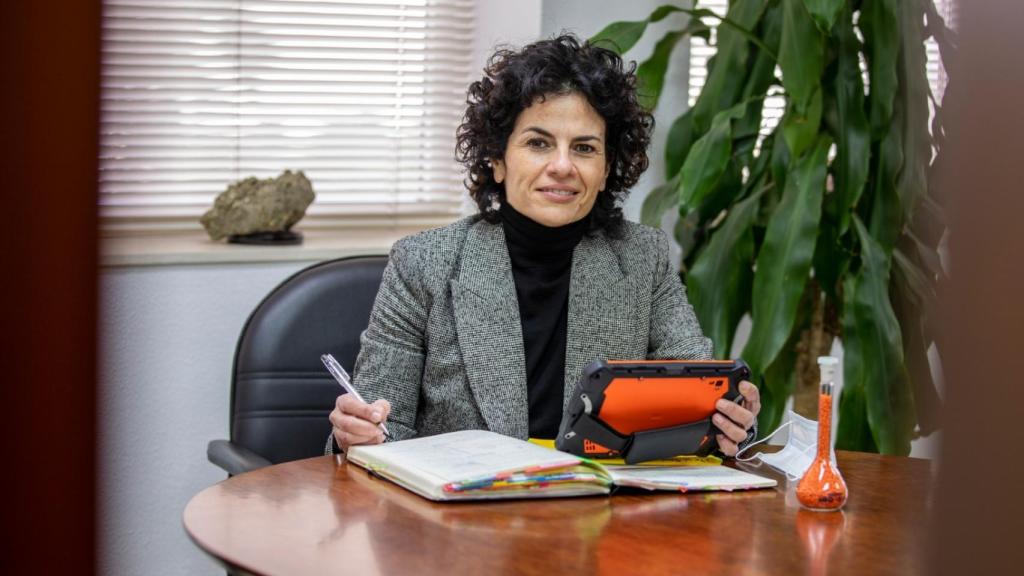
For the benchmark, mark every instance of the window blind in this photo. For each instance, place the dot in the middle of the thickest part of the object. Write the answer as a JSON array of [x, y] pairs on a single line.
[[363, 96], [948, 10]]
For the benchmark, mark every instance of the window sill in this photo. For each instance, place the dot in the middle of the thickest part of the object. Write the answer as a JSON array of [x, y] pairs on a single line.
[[197, 248]]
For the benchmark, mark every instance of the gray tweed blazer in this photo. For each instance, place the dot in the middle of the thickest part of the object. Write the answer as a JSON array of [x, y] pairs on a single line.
[[445, 346]]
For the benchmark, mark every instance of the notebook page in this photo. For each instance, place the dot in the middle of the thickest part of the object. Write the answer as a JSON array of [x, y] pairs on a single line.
[[688, 478], [460, 456]]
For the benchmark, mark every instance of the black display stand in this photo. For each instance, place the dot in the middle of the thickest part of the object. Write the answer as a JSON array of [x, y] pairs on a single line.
[[280, 238]]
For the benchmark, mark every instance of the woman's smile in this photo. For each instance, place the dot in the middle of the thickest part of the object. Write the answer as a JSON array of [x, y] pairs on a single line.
[[558, 193]]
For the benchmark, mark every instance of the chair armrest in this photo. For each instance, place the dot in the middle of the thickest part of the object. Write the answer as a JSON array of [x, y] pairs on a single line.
[[233, 458]]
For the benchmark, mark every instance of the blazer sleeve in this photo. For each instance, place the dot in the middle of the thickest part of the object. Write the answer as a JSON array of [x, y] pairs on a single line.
[[392, 349], [674, 330]]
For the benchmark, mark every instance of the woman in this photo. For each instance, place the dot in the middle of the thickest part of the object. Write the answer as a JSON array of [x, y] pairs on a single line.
[[488, 322]]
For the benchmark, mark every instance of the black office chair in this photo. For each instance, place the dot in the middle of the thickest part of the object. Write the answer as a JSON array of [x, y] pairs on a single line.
[[281, 393]]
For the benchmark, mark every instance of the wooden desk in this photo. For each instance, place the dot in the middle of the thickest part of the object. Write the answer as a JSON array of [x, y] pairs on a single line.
[[324, 516]]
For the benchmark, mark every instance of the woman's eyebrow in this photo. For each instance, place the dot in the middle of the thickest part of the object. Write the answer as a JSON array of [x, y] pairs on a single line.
[[544, 132]]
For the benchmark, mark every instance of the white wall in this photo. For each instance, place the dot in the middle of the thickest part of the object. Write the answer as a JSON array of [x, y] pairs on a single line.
[[168, 336], [500, 22]]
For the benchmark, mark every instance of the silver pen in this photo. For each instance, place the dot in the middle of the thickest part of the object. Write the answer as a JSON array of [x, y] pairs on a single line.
[[341, 376]]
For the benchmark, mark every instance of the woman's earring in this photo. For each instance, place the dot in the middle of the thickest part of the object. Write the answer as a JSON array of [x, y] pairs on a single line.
[[495, 202]]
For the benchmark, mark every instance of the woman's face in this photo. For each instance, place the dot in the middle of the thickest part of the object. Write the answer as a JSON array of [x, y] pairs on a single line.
[[555, 161]]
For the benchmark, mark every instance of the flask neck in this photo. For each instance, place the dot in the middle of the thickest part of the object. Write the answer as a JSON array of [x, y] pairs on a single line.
[[825, 421]]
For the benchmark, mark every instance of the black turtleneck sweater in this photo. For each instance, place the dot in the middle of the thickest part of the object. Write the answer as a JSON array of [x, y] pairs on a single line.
[[541, 266]]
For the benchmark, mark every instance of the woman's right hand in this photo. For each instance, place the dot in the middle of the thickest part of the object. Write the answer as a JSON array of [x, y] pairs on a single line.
[[356, 422]]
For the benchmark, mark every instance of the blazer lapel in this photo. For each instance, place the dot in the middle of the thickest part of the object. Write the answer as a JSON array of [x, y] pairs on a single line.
[[599, 308], [489, 330]]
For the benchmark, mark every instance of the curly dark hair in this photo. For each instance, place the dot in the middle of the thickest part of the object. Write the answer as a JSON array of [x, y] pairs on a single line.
[[514, 80]]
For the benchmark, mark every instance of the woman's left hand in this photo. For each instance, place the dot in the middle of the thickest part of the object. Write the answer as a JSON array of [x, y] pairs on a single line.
[[734, 419]]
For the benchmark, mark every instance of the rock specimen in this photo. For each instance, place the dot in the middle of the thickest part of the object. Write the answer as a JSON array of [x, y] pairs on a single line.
[[253, 205]]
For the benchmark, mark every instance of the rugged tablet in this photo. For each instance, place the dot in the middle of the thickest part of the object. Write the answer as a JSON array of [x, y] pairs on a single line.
[[643, 410]]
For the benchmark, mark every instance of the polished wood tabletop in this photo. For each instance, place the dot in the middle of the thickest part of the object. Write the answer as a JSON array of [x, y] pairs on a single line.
[[325, 516]]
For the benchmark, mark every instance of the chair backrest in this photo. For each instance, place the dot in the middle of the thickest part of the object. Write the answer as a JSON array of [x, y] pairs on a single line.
[[281, 394]]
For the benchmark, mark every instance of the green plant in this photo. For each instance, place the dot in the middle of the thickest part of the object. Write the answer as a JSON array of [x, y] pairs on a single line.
[[825, 227]]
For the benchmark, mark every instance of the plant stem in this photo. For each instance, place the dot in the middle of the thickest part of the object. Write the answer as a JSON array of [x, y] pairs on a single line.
[[816, 340]]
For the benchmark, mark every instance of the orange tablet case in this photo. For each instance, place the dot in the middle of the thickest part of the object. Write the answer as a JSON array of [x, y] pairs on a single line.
[[643, 410]]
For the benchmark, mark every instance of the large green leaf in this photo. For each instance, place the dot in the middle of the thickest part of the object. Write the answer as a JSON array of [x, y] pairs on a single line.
[[824, 12], [926, 256], [759, 175], [678, 143], [853, 432], [721, 197], [914, 301], [720, 279], [879, 23], [886, 205], [801, 54], [873, 349], [929, 222], [728, 70], [779, 160], [709, 157], [853, 140], [800, 126], [912, 183], [685, 233], [651, 73], [621, 36], [777, 386], [778, 166], [926, 400], [924, 275], [658, 201], [919, 290], [743, 145], [784, 262], [744, 31], [779, 379], [831, 256], [762, 71]]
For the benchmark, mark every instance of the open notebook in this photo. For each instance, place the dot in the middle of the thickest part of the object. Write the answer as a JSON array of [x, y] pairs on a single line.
[[479, 465]]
